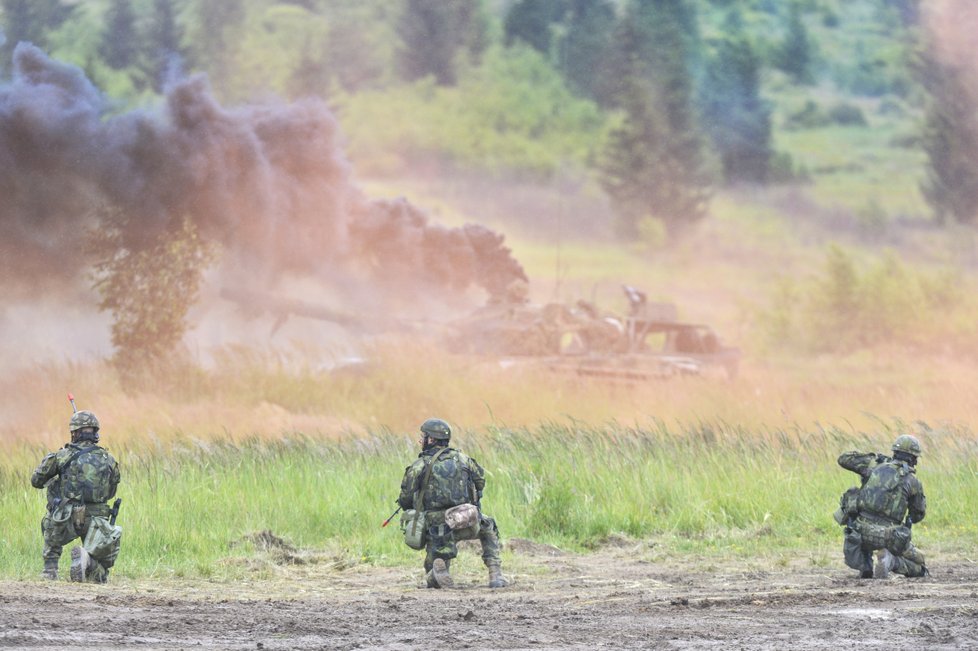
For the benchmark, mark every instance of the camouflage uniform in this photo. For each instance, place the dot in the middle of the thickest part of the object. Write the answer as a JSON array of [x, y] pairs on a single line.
[[77, 496], [890, 490], [455, 479]]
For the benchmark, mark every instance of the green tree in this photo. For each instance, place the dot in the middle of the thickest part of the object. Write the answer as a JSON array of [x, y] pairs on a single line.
[[584, 50], [532, 22], [653, 165], [735, 116], [434, 34], [119, 45], [163, 54], [148, 284], [211, 32], [795, 56], [31, 21], [356, 52], [950, 140]]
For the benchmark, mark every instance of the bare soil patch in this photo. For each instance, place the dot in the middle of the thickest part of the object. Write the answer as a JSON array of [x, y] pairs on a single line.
[[620, 597]]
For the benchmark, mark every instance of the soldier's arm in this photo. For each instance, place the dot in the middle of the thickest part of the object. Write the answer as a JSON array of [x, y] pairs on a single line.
[[478, 477], [858, 462], [114, 479], [917, 504], [47, 469], [408, 486]]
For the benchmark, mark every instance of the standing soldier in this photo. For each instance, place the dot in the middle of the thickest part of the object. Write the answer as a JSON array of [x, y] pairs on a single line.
[[441, 478], [80, 478], [874, 513]]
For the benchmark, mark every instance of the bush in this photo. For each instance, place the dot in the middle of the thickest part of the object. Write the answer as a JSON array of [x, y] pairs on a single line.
[[782, 169], [848, 306], [512, 113], [847, 115], [810, 116]]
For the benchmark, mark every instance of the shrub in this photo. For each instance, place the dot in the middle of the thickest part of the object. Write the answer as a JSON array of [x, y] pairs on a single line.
[[847, 114]]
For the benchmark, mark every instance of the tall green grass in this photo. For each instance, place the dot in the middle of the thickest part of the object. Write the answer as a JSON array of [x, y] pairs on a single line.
[[709, 487]]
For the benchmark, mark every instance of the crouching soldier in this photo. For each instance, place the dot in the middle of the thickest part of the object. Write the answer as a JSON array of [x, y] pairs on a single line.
[[443, 478], [879, 514], [80, 478]]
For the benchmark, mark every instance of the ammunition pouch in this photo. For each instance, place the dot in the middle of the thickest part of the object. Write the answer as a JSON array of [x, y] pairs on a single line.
[[413, 527], [852, 550]]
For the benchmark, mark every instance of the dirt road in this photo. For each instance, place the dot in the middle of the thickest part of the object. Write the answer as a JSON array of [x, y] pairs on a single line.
[[618, 598]]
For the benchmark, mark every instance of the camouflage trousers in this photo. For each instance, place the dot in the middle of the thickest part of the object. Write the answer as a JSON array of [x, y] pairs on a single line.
[[102, 553], [908, 560], [440, 540]]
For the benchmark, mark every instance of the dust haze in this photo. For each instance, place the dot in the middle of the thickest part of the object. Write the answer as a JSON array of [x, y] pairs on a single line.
[[269, 183]]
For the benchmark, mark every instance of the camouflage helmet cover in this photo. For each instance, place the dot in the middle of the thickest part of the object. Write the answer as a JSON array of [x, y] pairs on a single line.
[[907, 444], [436, 428], [82, 419]]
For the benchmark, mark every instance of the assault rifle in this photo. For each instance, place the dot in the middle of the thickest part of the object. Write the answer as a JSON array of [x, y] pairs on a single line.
[[388, 520], [115, 511]]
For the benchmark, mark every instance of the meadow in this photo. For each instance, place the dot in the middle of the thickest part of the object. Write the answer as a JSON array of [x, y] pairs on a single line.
[[704, 467]]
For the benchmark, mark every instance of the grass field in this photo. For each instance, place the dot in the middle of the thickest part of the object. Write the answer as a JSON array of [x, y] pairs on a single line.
[[705, 487]]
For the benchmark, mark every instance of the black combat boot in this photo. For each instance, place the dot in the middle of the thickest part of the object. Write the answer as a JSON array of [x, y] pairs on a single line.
[[50, 571], [884, 563], [80, 564], [496, 578], [440, 573]]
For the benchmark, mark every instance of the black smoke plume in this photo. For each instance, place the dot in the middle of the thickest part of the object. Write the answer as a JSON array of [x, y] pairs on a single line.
[[269, 182]]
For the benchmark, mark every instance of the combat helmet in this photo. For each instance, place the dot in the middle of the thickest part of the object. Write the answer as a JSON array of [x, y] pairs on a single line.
[[82, 419], [437, 429], [907, 444]]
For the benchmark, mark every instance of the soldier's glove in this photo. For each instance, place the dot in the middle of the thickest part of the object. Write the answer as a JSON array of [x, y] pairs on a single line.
[[880, 458]]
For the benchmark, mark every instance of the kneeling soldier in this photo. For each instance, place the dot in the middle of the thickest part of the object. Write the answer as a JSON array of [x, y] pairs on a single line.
[[80, 478], [875, 514], [440, 479]]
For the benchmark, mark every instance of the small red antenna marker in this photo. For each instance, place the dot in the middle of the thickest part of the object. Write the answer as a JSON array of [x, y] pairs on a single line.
[[71, 399]]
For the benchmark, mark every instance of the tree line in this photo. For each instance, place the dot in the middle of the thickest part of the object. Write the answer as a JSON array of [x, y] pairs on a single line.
[[680, 80]]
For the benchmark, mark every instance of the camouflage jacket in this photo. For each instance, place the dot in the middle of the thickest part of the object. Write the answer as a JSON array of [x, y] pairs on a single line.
[[92, 477], [890, 488], [455, 479]]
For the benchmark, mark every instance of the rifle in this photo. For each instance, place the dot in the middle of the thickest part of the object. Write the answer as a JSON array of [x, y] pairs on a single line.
[[388, 520], [115, 511]]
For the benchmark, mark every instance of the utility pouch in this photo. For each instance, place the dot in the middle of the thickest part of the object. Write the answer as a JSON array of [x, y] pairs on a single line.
[[898, 540], [103, 539], [78, 519], [463, 520], [848, 506], [413, 527], [852, 550], [60, 529]]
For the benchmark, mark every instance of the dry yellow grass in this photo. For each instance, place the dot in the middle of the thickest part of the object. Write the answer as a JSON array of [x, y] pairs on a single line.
[[250, 395]]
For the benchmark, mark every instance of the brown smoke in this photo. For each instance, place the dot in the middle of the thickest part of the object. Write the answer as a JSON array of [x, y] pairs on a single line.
[[269, 182]]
